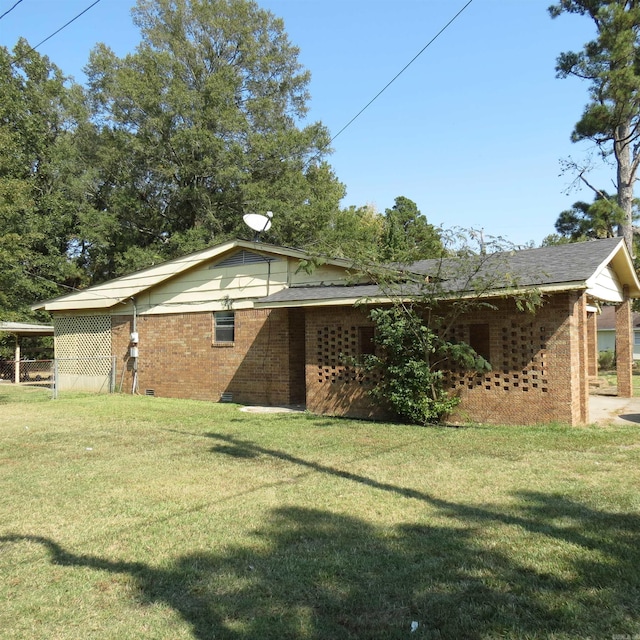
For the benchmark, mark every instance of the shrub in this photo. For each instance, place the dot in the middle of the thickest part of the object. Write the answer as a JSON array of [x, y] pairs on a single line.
[[408, 362], [606, 360]]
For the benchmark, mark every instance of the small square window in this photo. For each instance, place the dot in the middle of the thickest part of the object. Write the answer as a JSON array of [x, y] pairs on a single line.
[[224, 325]]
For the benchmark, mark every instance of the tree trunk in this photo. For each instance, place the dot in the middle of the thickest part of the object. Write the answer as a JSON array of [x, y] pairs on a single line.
[[625, 178]]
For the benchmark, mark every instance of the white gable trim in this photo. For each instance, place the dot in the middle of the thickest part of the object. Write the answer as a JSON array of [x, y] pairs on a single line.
[[606, 282]]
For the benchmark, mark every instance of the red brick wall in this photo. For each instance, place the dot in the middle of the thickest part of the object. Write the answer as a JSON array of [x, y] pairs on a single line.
[[592, 344], [332, 387], [624, 349], [538, 376], [297, 356], [580, 362], [178, 358], [539, 361]]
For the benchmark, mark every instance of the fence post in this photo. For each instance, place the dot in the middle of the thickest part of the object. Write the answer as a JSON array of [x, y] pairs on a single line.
[[17, 362], [54, 383], [112, 379]]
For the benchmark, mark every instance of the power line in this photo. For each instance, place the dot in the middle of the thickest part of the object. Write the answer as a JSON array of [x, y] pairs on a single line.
[[426, 46], [10, 10], [64, 26]]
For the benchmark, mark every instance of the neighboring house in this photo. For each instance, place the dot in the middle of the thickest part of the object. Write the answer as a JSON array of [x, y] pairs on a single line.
[[244, 321], [607, 331]]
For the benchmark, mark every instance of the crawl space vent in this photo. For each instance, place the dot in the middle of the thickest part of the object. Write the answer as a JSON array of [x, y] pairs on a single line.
[[149, 392], [226, 397]]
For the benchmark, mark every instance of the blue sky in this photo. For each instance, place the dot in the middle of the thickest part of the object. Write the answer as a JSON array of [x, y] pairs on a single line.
[[473, 131]]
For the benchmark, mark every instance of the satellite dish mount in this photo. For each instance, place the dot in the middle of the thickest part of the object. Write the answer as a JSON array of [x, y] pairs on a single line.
[[258, 223]]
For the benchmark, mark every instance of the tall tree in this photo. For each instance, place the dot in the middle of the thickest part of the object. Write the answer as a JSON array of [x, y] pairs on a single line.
[[408, 235], [611, 63], [41, 179], [599, 219], [202, 124], [356, 233]]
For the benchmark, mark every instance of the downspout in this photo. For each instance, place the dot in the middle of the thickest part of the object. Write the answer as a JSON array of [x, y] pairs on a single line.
[[134, 347], [268, 276]]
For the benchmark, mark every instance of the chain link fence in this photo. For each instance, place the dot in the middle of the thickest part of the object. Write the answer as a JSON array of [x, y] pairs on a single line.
[[96, 375], [27, 372]]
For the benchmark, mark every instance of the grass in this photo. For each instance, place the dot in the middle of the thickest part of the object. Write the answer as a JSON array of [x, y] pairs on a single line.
[[611, 378], [133, 517]]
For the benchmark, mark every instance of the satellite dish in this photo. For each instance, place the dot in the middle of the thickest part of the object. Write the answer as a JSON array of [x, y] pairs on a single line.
[[258, 222]]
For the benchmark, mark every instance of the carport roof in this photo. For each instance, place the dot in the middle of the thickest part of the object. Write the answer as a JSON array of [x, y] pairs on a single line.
[[25, 329]]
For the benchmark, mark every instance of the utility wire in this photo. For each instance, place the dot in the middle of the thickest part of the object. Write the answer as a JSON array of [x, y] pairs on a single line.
[[426, 46], [10, 10], [64, 26]]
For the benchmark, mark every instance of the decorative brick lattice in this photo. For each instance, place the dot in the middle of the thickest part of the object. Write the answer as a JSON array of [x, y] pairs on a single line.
[[336, 346], [518, 358], [83, 345]]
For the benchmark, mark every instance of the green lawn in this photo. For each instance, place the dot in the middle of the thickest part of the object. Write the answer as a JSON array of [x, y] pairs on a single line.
[[133, 517], [611, 378]]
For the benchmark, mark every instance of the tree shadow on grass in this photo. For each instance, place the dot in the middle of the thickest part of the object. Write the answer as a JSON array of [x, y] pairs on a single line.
[[320, 575]]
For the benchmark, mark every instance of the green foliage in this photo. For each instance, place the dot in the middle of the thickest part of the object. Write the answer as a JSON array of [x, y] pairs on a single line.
[[611, 63], [199, 126], [600, 219], [409, 364], [402, 235], [407, 234], [606, 360], [356, 233], [41, 180], [428, 297]]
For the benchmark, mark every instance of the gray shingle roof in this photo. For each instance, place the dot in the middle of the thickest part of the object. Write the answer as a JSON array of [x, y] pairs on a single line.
[[574, 262], [569, 265], [329, 292]]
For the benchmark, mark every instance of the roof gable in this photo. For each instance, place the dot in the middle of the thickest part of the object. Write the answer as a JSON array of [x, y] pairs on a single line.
[[121, 290]]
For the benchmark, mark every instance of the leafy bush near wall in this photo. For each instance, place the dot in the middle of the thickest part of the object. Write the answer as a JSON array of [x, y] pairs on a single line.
[[409, 361], [606, 359]]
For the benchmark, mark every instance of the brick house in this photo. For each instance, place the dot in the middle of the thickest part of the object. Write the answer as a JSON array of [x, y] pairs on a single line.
[[247, 322], [607, 331]]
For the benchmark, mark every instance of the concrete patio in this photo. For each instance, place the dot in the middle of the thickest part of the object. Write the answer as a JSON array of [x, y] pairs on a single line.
[[609, 409]]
